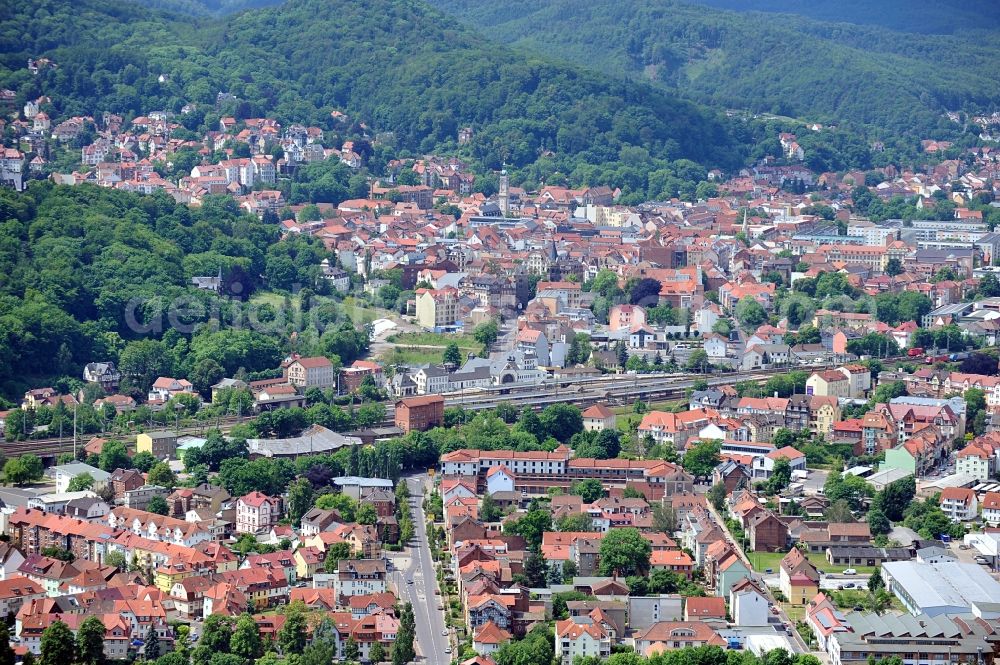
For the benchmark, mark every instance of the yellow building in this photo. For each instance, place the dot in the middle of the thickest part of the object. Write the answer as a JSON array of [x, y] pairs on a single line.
[[824, 412], [437, 308], [162, 445], [308, 561]]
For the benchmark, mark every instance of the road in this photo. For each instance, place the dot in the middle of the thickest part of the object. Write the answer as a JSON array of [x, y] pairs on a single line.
[[798, 644], [416, 564]]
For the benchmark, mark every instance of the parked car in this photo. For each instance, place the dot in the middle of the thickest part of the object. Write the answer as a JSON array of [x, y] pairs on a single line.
[[850, 571]]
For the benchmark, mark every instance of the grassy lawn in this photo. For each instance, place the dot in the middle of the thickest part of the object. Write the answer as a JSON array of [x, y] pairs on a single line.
[[761, 561], [818, 559], [764, 560], [795, 612], [410, 356], [273, 299], [464, 341]]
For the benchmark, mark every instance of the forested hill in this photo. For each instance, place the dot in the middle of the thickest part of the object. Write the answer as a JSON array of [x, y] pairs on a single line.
[[398, 65], [207, 7], [931, 17], [780, 63]]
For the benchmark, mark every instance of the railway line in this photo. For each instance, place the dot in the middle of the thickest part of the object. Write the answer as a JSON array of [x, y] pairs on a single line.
[[614, 389]]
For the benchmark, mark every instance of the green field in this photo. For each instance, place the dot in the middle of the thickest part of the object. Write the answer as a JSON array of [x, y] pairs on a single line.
[[764, 560], [464, 341]]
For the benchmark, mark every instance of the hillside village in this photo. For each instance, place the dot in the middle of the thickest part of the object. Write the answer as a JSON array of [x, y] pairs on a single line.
[[808, 459]]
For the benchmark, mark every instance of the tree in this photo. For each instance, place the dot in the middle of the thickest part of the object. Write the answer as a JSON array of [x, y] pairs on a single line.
[[535, 649], [162, 476], [402, 648], [158, 505], [204, 374], [90, 642], [878, 601], [625, 552], [535, 570], [698, 361], [781, 476], [300, 499], [6, 652], [577, 522], [292, 636], [561, 421], [151, 646], [749, 312], [335, 554], [717, 495], [893, 267], [531, 526], [217, 631], [875, 581], [645, 292], [58, 645], [839, 511], [116, 559], [894, 499], [245, 641], [590, 490], [114, 455], [352, 652], [143, 461], [489, 511], [702, 458], [376, 653], [452, 355], [486, 334], [664, 519], [878, 522], [79, 483], [24, 469], [366, 514]]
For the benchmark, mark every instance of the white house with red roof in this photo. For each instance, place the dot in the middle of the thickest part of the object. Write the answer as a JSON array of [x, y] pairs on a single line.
[[489, 638], [763, 465], [581, 636], [598, 418], [991, 508], [499, 479], [257, 512], [959, 504]]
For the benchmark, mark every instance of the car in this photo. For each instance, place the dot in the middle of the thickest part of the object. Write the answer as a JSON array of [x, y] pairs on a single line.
[[850, 571], [447, 649], [409, 581], [445, 632], [980, 559], [849, 585], [768, 570], [963, 546], [437, 592], [441, 606], [858, 608]]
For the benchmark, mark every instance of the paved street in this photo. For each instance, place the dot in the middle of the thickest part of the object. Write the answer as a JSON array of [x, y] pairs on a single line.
[[415, 564]]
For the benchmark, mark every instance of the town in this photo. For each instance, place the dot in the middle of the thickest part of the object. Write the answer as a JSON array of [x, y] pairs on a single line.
[[477, 418]]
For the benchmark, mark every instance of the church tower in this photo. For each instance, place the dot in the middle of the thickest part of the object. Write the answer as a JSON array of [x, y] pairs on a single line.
[[504, 194]]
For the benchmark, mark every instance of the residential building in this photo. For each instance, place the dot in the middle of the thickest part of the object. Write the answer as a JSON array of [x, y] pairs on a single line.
[[162, 444], [581, 637], [420, 413], [257, 512], [314, 372], [959, 504], [437, 309], [598, 418]]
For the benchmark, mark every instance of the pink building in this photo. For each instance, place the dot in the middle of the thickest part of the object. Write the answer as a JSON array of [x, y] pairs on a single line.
[[257, 512], [624, 316]]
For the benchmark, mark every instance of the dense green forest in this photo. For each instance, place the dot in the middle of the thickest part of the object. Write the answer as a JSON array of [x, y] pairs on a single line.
[[930, 17], [399, 66], [91, 274], [787, 65], [207, 7]]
